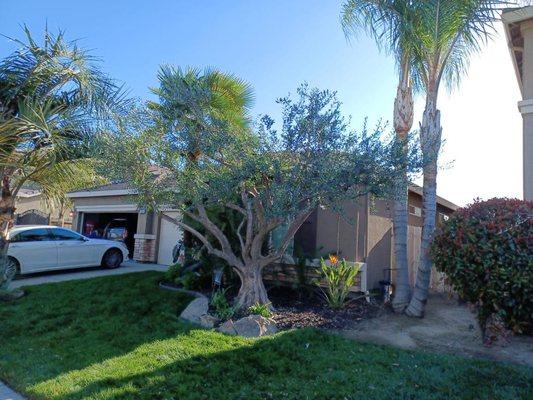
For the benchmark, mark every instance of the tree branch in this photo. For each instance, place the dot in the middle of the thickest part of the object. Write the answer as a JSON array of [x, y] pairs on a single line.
[[230, 258], [293, 228]]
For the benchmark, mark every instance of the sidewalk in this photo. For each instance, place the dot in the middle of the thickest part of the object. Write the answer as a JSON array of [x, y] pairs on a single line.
[[8, 394]]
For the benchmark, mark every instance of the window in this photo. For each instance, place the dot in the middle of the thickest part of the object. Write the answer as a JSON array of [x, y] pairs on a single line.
[[417, 211], [33, 235], [65, 234], [443, 217], [276, 238]]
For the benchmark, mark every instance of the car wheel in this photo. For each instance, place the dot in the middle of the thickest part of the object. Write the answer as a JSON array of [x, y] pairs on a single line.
[[112, 259], [12, 269]]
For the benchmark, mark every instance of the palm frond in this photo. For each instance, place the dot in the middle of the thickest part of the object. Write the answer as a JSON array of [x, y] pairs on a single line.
[[57, 69]]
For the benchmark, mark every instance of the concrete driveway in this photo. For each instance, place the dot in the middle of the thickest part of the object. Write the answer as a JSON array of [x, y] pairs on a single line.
[[85, 273]]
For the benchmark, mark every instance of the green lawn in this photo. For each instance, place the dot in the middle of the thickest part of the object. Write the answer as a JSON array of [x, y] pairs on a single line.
[[118, 338]]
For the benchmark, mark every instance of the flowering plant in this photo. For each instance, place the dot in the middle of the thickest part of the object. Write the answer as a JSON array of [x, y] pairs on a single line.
[[339, 277]]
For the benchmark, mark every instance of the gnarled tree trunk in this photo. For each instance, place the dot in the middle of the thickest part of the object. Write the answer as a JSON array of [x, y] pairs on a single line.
[[252, 289], [403, 121], [430, 141]]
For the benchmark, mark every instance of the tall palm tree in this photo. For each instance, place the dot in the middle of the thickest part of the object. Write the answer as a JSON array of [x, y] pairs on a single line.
[[193, 102], [447, 33], [52, 99], [391, 24]]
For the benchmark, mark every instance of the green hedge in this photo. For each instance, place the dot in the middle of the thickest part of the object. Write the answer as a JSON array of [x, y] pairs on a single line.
[[486, 252]]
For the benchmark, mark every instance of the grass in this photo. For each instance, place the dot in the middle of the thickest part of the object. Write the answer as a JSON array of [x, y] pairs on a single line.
[[118, 337]]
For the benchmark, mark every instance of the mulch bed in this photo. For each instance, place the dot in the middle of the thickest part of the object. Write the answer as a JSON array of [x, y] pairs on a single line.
[[293, 311]]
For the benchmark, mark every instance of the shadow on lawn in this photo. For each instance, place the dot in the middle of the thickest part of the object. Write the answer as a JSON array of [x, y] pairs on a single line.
[[118, 337], [292, 365], [70, 325]]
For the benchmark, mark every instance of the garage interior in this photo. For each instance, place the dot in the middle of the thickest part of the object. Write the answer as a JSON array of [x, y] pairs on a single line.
[[94, 225]]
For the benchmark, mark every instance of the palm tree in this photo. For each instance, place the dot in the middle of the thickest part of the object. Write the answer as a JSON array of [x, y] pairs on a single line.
[[193, 102], [447, 33], [52, 99], [391, 24]]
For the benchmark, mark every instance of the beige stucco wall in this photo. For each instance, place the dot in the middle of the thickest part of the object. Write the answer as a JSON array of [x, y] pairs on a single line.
[[24, 204], [345, 236], [103, 200], [368, 238]]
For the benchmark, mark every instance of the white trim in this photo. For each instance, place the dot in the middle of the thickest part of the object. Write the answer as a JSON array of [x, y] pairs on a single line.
[[517, 15], [164, 209], [526, 106], [144, 236], [27, 195], [108, 208], [101, 193]]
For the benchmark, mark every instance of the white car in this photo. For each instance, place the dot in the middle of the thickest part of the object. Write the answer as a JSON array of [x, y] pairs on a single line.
[[40, 248]]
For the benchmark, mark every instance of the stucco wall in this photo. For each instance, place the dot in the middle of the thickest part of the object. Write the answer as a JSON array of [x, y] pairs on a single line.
[[104, 200], [346, 234], [24, 204]]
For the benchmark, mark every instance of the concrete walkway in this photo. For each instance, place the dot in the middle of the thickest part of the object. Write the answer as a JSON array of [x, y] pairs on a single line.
[[8, 394], [85, 273]]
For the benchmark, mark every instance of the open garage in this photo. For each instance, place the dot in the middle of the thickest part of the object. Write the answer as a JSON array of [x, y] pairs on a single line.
[[112, 226], [111, 212]]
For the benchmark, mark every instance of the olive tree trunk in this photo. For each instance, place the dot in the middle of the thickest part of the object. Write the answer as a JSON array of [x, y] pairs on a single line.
[[403, 121], [252, 290], [250, 262], [430, 141]]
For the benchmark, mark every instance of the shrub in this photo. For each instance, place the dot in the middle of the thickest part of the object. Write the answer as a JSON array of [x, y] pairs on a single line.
[[260, 309], [486, 252], [220, 305], [174, 273], [190, 280], [339, 277]]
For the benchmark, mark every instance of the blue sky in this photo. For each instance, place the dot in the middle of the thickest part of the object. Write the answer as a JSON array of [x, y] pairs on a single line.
[[275, 45]]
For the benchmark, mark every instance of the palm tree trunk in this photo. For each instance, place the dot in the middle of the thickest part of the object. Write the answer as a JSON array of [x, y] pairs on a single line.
[[430, 141], [400, 219], [7, 217], [403, 120]]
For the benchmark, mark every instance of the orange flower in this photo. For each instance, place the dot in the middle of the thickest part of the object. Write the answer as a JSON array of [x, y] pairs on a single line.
[[333, 259]]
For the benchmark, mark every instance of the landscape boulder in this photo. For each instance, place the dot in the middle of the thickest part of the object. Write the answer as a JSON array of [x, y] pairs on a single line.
[[195, 310], [208, 321], [255, 326], [228, 328]]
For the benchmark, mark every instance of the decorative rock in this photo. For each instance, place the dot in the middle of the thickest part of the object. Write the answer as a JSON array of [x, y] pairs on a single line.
[[255, 326], [208, 321], [195, 310], [228, 328]]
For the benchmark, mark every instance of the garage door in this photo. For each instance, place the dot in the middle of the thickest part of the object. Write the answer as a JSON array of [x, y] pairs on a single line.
[[169, 235]]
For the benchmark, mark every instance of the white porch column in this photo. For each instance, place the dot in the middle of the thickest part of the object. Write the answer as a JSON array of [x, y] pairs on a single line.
[[526, 107]]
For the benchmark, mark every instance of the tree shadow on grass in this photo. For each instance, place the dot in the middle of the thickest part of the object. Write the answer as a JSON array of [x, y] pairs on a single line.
[[60, 327], [304, 364]]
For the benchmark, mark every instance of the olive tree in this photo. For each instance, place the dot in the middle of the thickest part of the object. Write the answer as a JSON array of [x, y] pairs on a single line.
[[274, 178]]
